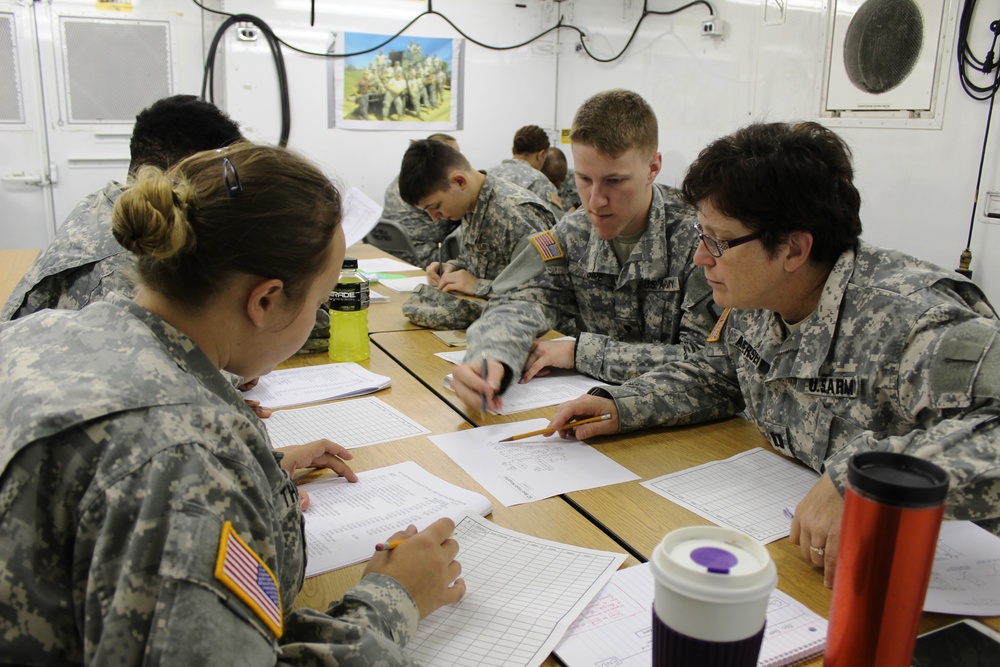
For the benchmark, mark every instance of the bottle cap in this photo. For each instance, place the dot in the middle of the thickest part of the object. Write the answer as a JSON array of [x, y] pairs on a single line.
[[349, 263], [898, 479]]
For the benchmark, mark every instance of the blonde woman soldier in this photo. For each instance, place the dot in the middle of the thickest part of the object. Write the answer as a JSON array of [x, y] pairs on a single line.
[[136, 487]]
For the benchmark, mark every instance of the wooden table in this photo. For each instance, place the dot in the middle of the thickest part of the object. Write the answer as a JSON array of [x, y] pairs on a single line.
[[13, 265], [386, 316], [552, 519], [636, 516]]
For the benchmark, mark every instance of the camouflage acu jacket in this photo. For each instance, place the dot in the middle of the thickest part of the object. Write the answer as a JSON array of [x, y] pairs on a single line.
[[900, 355], [126, 460]]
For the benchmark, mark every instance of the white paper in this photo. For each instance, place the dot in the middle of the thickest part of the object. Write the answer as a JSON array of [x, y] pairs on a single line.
[[385, 265], [378, 297], [748, 492], [616, 628], [356, 423], [361, 214], [311, 384], [345, 521], [965, 578], [404, 284], [523, 593], [529, 469], [540, 392], [454, 357]]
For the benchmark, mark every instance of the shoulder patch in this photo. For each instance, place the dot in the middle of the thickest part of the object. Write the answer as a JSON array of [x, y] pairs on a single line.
[[716, 332], [555, 199], [245, 574], [547, 246]]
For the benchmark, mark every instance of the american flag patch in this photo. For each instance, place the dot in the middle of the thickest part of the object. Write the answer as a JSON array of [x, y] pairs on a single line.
[[547, 246], [245, 574]]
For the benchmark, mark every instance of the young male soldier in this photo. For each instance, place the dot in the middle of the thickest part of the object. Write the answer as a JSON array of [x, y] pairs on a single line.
[[424, 237], [838, 347], [497, 216], [84, 261], [620, 268]]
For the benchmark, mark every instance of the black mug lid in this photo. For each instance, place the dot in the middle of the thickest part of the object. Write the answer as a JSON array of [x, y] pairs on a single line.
[[897, 479]]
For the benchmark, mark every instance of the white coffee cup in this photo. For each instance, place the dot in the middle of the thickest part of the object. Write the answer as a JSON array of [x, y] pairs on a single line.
[[711, 597]]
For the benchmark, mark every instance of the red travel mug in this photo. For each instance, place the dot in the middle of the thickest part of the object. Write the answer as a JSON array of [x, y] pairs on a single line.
[[893, 507]]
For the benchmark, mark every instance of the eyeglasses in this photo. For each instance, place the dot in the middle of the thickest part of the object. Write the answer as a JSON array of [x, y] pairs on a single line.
[[231, 178], [716, 247]]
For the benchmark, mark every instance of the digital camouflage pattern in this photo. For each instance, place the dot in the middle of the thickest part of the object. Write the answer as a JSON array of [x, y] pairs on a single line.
[[568, 193], [432, 308], [630, 318], [519, 172], [424, 232], [123, 451], [82, 264], [497, 229], [900, 355]]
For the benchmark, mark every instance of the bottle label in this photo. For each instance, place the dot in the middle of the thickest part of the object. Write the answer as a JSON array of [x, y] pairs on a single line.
[[349, 297]]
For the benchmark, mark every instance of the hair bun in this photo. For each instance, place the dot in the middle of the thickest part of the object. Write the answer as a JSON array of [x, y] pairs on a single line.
[[150, 218]]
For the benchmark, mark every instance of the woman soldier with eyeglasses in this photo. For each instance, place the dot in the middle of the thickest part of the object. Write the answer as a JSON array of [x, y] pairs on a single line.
[[144, 517]]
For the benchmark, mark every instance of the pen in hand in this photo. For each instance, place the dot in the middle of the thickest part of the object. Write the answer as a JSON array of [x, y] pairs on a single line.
[[388, 546], [549, 431], [482, 396], [440, 260]]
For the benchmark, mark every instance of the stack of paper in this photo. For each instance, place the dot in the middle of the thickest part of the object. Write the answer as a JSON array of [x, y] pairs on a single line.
[[540, 392], [312, 384], [345, 521]]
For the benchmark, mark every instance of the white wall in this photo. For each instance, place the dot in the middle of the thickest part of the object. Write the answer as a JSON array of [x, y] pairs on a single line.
[[917, 184]]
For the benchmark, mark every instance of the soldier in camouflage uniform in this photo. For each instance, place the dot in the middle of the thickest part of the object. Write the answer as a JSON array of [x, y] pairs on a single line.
[[497, 216], [84, 262], [619, 276], [144, 518], [842, 347], [560, 175], [524, 168], [425, 235]]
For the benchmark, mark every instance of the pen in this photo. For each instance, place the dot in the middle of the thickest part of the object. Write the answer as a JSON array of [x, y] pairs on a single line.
[[547, 431], [482, 397], [789, 514], [440, 260], [388, 546]]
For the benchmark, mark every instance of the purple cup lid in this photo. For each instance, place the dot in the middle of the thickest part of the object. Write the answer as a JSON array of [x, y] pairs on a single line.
[[714, 559]]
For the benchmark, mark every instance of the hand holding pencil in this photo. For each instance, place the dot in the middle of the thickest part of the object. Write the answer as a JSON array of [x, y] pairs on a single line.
[[549, 431], [569, 417]]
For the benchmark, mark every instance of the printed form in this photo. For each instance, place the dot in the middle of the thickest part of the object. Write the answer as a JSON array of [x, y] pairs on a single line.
[[312, 384], [530, 469], [730, 493], [356, 423], [539, 392], [523, 594]]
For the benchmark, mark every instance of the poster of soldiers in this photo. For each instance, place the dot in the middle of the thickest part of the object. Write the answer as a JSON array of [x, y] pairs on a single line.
[[403, 84]]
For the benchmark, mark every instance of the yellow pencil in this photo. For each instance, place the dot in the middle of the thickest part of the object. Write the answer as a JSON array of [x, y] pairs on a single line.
[[388, 546], [547, 431]]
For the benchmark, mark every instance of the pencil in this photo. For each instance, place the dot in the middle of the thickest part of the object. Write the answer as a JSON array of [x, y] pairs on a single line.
[[482, 396], [388, 546], [440, 260], [547, 431]]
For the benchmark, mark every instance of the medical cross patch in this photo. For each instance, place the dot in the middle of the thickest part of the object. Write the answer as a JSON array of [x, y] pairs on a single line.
[[245, 574]]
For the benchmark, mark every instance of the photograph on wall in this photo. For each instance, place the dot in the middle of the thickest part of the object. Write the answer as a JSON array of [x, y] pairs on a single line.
[[408, 83]]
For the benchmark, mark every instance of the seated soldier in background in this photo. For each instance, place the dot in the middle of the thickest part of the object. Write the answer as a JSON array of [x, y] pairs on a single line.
[[620, 271], [558, 172], [839, 347], [84, 261], [530, 144], [497, 216], [424, 236]]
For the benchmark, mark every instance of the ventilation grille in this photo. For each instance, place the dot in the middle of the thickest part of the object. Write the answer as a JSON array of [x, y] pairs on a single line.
[[11, 102], [114, 69]]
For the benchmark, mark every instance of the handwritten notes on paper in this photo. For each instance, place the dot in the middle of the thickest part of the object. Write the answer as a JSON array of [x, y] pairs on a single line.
[[529, 469], [965, 578]]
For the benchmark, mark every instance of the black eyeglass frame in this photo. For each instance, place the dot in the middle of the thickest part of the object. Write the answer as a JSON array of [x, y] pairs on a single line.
[[717, 247]]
